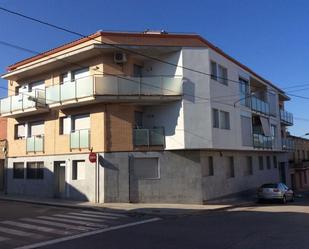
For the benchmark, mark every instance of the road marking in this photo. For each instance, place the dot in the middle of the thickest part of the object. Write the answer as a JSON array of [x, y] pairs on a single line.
[[79, 222], [95, 216], [55, 241], [57, 224], [3, 239], [34, 227], [78, 217], [104, 213], [16, 232]]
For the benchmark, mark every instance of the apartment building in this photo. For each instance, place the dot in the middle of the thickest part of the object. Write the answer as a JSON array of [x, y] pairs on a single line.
[[299, 163], [171, 118], [3, 145]]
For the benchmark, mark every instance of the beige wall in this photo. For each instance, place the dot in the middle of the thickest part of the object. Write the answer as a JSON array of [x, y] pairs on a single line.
[[111, 122]]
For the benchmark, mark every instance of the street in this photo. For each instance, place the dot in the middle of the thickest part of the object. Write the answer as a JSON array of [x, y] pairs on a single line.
[[29, 226], [255, 226]]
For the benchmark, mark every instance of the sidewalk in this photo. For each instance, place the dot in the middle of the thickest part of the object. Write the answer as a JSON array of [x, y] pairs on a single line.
[[136, 208]]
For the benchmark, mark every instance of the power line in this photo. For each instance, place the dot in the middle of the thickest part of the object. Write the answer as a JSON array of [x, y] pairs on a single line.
[[118, 47], [110, 44]]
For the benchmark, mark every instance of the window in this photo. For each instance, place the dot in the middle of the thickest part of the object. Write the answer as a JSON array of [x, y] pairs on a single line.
[[37, 85], [268, 163], [146, 168], [64, 125], [224, 120], [305, 176], [261, 163], [218, 73], [221, 119], [275, 162], [248, 166], [35, 170], [65, 77], [137, 70], [20, 131], [78, 170], [273, 131], [80, 122], [307, 155], [245, 98], [215, 117], [304, 156], [208, 167], [213, 70], [230, 172], [222, 75], [80, 73], [36, 129], [18, 171]]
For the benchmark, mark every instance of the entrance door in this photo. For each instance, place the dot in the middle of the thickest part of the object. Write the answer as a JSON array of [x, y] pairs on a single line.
[[282, 174], [1, 175], [59, 184]]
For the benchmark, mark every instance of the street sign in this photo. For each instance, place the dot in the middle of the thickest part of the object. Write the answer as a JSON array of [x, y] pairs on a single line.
[[92, 157]]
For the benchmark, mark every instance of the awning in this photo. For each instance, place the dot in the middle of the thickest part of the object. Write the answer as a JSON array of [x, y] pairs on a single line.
[[265, 126]]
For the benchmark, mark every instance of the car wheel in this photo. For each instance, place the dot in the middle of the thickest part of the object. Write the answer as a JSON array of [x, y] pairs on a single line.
[[283, 200]]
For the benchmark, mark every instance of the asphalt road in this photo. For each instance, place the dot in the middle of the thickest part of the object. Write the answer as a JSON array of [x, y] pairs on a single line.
[[26, 226], [266, 226]]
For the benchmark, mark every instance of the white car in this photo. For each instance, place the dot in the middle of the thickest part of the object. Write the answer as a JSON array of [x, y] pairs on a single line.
[[275, 191]]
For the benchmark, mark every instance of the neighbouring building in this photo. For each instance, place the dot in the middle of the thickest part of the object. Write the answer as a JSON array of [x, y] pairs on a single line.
[[161, 131], [299, 163], [3, 147]]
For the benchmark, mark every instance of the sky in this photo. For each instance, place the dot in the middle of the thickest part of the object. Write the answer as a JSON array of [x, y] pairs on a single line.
[[269, 36]]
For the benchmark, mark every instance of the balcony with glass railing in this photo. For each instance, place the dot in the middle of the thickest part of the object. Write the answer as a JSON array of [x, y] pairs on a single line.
[[80, 139], [23, 103], [262, 142], [288, 144], [259, 105], [149, 137], [286, 117], [115, 88], [35, 144]]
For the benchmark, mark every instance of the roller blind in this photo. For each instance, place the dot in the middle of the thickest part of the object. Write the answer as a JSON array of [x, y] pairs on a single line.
[[81, 122], [246, 131], [265, 126], [36, 129]]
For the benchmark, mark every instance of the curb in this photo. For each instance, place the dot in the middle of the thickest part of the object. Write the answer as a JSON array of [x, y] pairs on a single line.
[[132, 212]]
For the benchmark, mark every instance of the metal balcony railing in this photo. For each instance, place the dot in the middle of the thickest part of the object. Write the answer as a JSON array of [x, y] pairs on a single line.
[[35, 144], [80, 139], [288, 144], [149, 137], [259, 105], [262, 142], [23, 102], [101, 85], [286, 117]]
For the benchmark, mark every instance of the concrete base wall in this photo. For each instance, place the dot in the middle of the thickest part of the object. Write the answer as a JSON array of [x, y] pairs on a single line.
[[181, 179], [180, 176], [82, 189]]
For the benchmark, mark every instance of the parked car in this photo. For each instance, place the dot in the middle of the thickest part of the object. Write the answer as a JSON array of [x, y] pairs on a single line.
[[275, 191]]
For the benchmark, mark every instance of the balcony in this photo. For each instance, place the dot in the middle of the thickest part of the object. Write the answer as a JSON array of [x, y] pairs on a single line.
[[114, 88], [262, 142], [35, 144], [23, 104], [259, 105], [286, 117], [80, 139], [288, 144], [149, 137]]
